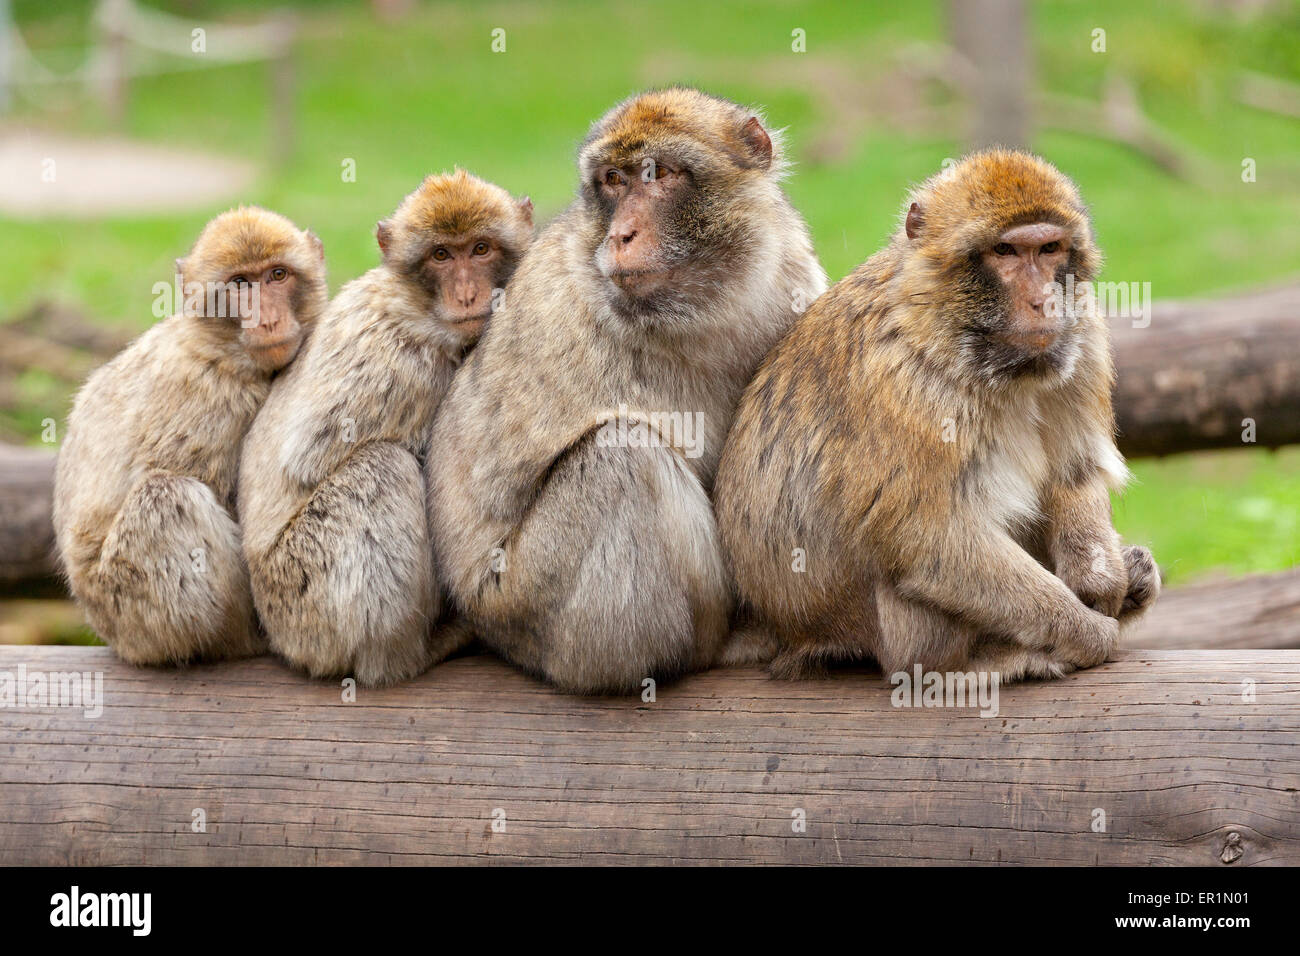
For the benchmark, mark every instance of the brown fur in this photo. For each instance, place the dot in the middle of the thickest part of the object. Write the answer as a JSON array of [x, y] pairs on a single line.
[[608, 569], [920, 549], [145, 486], [331, 494]]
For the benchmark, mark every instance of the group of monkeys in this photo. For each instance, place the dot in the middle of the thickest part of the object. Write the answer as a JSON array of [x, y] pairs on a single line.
[[914, 469]]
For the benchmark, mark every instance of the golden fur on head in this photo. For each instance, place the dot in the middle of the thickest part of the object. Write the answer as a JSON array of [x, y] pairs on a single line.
[[249, 239], [450, 208], [705, 133], [967, 205]]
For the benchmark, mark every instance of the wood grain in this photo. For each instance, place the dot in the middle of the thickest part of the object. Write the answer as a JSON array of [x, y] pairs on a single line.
[[711, 772]]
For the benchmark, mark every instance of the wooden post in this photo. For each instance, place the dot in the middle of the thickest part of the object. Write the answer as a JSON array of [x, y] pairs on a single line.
[[112, 79], [7, 29], [284, 117], [993, 37]]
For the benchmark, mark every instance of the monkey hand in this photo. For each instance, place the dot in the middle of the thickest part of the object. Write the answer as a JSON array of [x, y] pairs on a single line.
[[1098, 576], [1090, 641], [1143, 577]]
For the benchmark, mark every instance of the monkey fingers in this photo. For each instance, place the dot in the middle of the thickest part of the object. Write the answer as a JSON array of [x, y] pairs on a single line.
[[1143, 582]]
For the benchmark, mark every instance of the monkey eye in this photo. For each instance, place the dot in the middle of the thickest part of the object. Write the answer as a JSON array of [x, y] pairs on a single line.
[[279, 274], [239, 280], [661, 171], [1049, 247], [480, 249], [1004, 249], [441, 254], [613, 177]]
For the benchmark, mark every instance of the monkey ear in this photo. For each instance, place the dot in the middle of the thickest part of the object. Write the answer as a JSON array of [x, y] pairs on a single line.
[[315, 243], [526, 209], [384, 233], [915, 220], [757, 142]]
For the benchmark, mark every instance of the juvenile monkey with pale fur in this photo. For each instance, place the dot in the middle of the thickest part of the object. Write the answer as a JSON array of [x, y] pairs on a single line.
[[589, 563], [331, 496], [145, 484], [920, 471]]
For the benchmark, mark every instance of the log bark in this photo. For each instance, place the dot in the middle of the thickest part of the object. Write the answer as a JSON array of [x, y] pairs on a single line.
[[1191, 378], [1157, 758]]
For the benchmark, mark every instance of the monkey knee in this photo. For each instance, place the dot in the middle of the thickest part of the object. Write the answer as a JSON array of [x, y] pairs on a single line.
[[171, 584], [348, 588]]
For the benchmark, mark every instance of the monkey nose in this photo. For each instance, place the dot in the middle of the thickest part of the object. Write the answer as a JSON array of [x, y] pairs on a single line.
[[621, 237]]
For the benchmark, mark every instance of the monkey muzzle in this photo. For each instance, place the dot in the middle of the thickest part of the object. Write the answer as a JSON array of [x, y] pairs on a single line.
[[1031, 342]]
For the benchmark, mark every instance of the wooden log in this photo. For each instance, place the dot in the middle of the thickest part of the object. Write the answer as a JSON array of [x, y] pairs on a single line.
[[1157, 758], [1200, 369], [1260, 611]]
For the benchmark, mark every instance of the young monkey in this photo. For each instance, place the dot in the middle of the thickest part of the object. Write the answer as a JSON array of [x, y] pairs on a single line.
[[331, 494], [920, 470], [145, 484]]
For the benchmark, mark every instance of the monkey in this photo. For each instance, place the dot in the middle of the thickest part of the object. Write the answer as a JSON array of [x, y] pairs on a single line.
[[569, 510], [145, 483], [920, 470], [331, 494]]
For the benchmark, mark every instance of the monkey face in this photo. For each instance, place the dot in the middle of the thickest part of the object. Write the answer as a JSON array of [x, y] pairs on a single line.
[[268, 315], [256, 283], [641, 248], [458, 240], [463, 276], [676, 187], [1021, 325]]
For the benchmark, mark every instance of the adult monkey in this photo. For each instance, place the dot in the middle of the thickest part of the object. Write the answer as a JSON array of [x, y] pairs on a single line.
[[920, 470], [651, 299]]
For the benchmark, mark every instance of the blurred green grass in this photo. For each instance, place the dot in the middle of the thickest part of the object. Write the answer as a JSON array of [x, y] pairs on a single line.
[[427, 93]]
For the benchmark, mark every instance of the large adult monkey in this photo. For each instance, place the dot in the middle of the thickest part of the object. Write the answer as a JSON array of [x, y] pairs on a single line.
[[331, 496], [920, 470], [145, 487], [572, 460]]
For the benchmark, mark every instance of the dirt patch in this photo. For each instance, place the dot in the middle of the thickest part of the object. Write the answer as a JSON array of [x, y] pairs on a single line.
[[44, 174]]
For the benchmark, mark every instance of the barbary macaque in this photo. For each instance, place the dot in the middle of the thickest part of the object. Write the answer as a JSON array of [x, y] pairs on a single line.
[[919, 472], [331, 495], [144, 508], [569, 509]]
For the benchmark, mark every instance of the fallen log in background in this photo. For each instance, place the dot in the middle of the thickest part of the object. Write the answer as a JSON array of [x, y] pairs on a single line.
[[26, 530], [1155, 758], [1261, 611], [1187, 381]]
